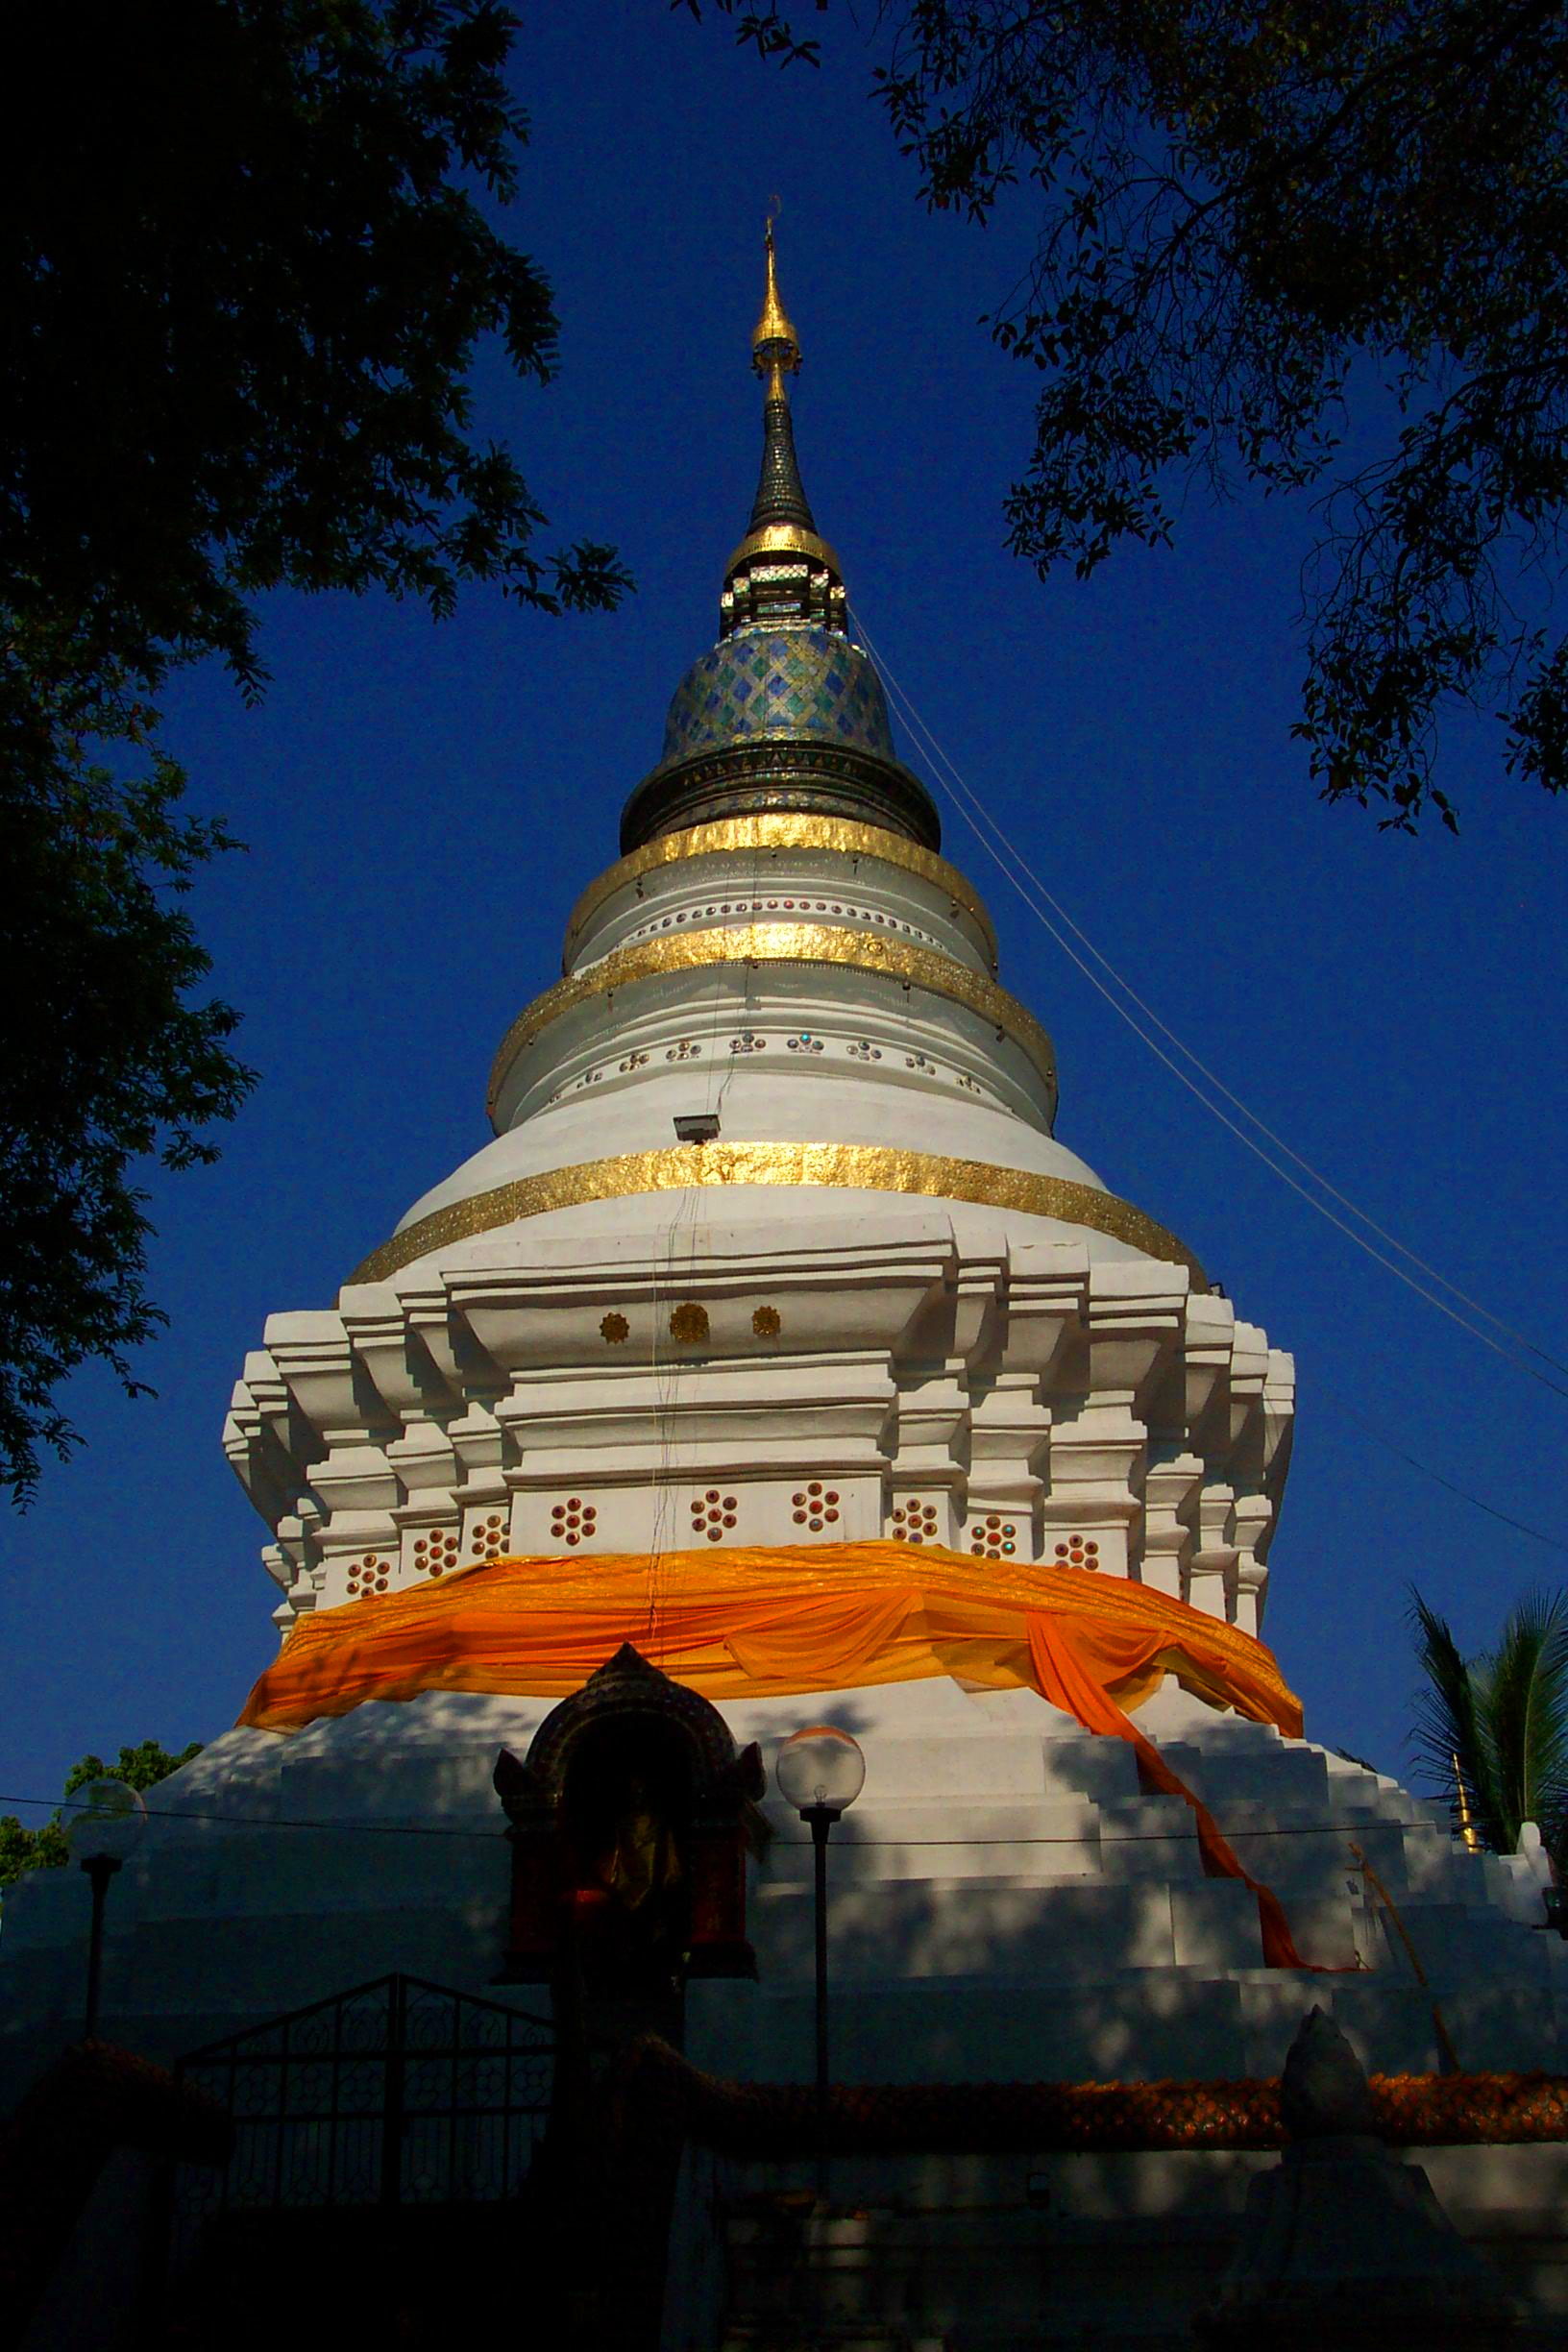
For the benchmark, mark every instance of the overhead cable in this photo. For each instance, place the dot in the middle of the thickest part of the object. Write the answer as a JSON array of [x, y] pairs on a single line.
[[1012, 865], [1181, 1835], [1352, 1413]]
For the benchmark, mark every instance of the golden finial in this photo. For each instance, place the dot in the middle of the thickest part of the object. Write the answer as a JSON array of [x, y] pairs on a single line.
[[1469, 1836], [800, 570], [775, 346]]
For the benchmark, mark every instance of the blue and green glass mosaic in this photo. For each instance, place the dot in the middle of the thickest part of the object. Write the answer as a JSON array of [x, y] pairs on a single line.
[[778, 681]]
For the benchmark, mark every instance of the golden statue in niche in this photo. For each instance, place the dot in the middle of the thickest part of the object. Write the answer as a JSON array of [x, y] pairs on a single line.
[[644, 1863]]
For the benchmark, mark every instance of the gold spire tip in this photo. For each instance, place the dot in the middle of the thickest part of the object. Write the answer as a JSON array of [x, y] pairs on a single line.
[[775, 343]]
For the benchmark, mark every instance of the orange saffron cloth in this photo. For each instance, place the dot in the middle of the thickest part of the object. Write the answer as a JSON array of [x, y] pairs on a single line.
[[764, 1620]]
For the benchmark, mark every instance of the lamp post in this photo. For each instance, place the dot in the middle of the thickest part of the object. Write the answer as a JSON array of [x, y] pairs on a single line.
[[820, 1771], [102, 1835]]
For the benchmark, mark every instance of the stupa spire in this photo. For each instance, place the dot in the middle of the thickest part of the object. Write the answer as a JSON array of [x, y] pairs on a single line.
[[785, 713], [774, 341], [782, 573], [776, 352]]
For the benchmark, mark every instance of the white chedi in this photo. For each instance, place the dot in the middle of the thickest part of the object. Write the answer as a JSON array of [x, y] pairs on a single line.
[[886, 1283], [1002, 1369]]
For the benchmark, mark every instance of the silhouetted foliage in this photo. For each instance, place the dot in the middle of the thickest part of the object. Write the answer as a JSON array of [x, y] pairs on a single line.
[[103, 1055], [23, 1849], [1500, 1721], [245, 264], [1313, 248]]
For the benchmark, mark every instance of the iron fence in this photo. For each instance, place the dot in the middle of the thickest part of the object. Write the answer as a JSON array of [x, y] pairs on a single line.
[[394, 2093]]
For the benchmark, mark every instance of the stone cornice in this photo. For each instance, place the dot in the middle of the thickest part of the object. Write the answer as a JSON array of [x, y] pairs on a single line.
[[868, 1166], [828, 944]]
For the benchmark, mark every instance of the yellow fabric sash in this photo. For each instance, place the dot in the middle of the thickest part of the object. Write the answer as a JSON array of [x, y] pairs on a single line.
[[755, 1621], [759, 1621]]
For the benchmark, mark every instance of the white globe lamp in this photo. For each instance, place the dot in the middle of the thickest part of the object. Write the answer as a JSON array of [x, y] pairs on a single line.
[[102, 1834], [820, 1771], [819, 1767]]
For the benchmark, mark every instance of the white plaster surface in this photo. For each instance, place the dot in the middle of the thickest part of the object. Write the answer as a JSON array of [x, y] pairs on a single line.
[[1006, 1903], [780, 884], [1023, 1397]]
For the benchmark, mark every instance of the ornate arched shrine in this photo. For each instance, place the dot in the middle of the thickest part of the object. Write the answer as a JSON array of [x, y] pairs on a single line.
[[630, 1818]]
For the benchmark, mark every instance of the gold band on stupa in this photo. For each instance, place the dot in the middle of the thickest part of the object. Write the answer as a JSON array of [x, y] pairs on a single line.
[[871, 1167], [784, 539], [830, 944], [784, 830]]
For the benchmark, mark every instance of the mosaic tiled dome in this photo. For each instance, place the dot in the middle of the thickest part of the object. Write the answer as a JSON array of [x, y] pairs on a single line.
[[803, 682]]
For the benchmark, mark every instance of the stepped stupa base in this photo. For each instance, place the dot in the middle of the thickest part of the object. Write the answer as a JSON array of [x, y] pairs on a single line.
[[1006, 1902], [1006, 1905]]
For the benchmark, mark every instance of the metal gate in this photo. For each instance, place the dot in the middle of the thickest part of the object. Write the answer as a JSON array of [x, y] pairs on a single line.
[[396, 2094]]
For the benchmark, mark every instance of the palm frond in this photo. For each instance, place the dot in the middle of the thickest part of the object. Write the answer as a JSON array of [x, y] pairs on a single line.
[[1522, 1695], [1450, 1730]]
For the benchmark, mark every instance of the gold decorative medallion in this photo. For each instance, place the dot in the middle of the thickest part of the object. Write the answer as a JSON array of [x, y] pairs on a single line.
[[689, 1324], [766, 1322], [614, 1327]]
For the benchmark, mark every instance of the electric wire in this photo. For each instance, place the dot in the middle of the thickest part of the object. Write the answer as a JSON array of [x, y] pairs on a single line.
[[665, 1374], [847, 1836], [982, 818], [684, 1226], [966, 801], [716, 1102], [982, 825], [1353, 1414]]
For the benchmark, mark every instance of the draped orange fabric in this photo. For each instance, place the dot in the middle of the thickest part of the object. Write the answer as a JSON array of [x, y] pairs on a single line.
[[749, 1621], [1066, 1677]]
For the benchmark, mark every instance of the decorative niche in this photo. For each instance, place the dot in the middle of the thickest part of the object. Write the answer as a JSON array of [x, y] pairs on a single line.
[[631, 1816]]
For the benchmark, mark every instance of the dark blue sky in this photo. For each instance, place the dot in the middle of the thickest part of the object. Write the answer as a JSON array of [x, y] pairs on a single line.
[[423, 803]]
